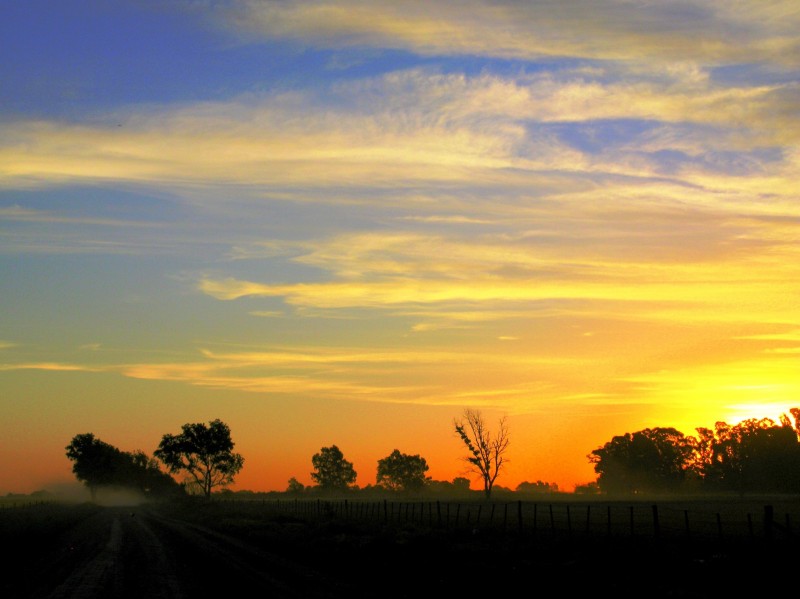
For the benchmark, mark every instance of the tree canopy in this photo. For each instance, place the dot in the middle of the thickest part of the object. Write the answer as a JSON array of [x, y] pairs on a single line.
[[100, 465], [331, 471], [650, 460], [402, 472], [204, 452], [755, 455]]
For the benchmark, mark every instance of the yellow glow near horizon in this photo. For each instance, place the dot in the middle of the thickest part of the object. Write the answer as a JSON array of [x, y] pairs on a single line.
[[345, 221]]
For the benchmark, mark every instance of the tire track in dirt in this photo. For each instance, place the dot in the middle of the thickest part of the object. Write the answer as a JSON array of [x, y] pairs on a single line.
[[238, 565], [158, 574], [139, 553], [88, 579]]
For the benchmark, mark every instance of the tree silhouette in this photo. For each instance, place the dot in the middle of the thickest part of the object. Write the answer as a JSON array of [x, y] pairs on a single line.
[[331, 471], [487, 451], [653, 459], [147, 476], [754, 455], [402, 472], [98, 464], [538, 487], [95, 462], [295, 487], [205, 452]]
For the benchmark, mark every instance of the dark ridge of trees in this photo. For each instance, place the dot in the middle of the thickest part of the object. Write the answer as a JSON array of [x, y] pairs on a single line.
[[100, 465], [755, 455], [538, 487]]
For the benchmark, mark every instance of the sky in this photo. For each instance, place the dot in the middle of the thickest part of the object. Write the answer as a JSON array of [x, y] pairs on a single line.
[[346, 222]]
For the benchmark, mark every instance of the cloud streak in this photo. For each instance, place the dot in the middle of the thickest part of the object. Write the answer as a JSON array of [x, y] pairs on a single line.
[[582, 213], [419, 127], [615, 30]]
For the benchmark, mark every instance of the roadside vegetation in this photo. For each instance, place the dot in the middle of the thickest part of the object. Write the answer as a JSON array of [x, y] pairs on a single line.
[[755, 456]]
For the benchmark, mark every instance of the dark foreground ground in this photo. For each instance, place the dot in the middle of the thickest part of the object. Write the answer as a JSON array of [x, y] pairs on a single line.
[[176, 551]]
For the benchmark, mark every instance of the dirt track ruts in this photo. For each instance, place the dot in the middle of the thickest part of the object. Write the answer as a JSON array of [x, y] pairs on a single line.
[[167, 552], [133, 553]]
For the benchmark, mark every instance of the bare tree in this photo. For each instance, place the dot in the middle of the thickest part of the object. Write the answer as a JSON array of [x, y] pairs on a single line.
[[487, 450]]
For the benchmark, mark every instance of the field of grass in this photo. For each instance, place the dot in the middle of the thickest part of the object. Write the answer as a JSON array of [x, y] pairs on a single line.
[[464, 545]]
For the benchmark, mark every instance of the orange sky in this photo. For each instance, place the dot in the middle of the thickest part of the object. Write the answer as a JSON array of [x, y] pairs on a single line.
[[344, 222]]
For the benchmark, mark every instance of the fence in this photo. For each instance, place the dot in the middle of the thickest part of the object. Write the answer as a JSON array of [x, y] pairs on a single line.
[[556, 520]]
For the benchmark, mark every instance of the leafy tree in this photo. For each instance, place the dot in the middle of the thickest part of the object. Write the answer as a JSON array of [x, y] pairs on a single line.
[[461, 483], [459, 486], [331, 471], [295, 486], [590, 488], [402, 472], [537, 487], [95, 462], [753, 455], [653, 459], [205, 452], [487, 451], [99, 465], [146, 474]]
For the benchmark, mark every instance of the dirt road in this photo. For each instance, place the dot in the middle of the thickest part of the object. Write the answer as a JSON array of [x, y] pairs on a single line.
[[147, 552], [136, 553]]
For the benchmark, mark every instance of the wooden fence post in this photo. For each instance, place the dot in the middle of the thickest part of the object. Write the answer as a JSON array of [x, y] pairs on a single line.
[[768, 521], [588, 520], [569, 523], [686, 523], [656, 529]]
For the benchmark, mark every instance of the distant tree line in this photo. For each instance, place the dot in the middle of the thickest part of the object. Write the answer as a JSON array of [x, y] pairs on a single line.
[[755, 455], [203, 452]]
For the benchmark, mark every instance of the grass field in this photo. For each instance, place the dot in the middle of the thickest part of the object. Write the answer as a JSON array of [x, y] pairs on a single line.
[[464, 545]]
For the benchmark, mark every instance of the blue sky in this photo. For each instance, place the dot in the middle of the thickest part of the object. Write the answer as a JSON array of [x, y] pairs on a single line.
[[345, 222]]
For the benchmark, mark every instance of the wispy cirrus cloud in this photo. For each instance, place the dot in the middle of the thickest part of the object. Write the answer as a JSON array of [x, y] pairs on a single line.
[[514, 381], [54, 366], [18, 213], [418, 127], [605, 30]]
